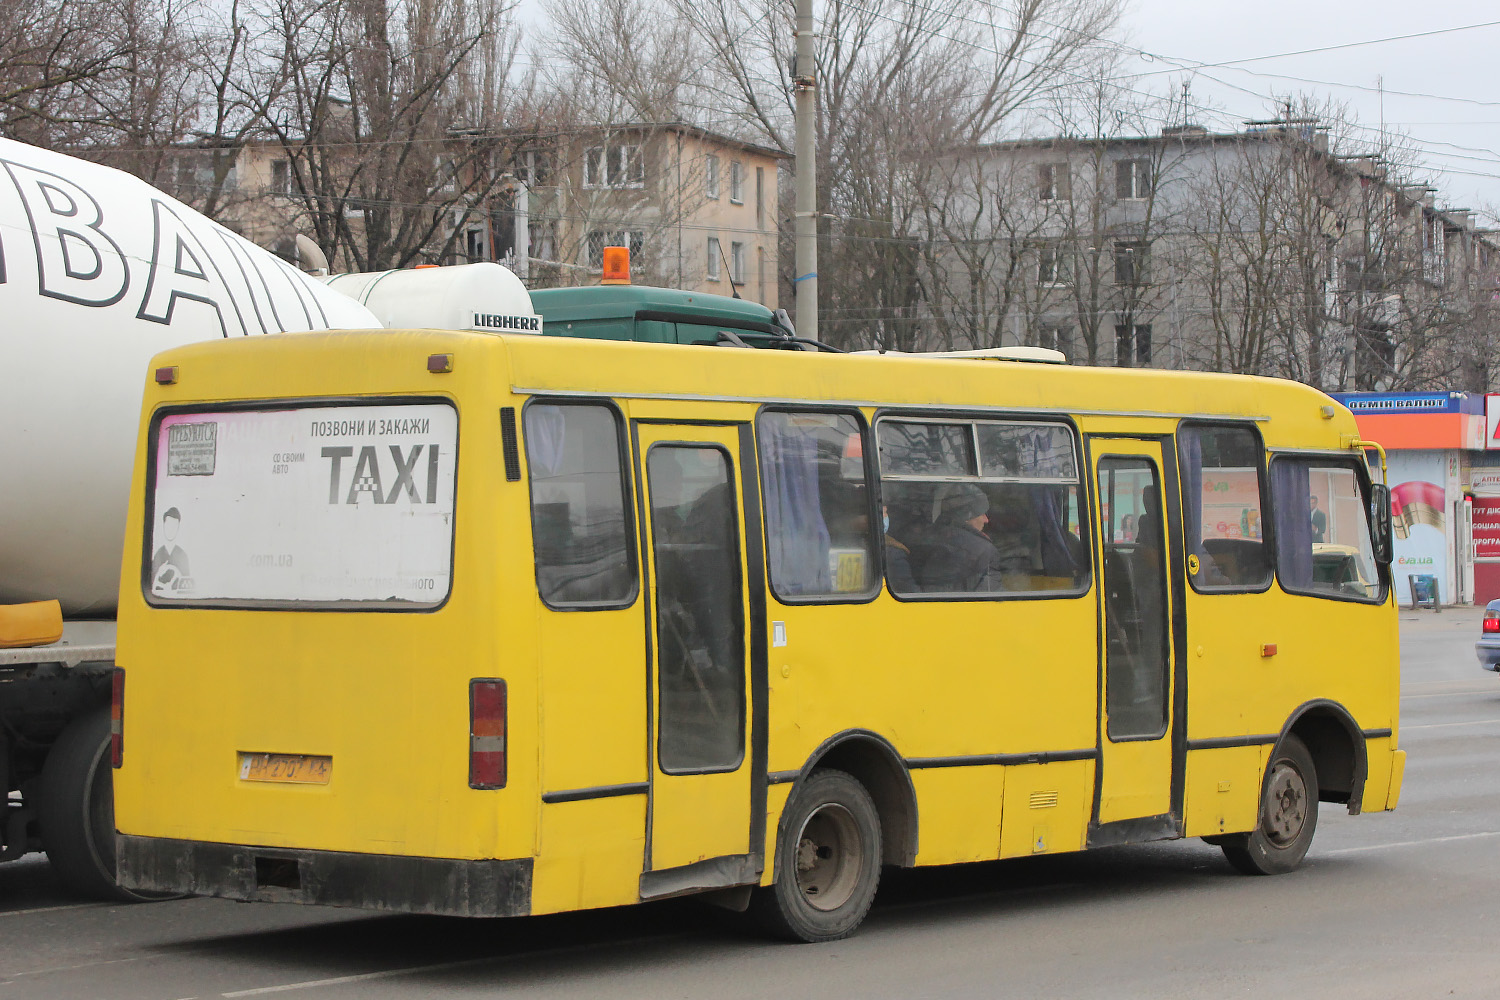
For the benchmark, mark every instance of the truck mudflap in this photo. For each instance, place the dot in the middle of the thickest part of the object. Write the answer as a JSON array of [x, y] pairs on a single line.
[[394, 883]]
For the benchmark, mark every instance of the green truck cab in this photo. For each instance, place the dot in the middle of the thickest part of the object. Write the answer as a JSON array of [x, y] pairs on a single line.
[[661, 316]]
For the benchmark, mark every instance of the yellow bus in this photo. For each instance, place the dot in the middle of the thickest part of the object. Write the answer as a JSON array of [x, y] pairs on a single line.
[[496, 625]]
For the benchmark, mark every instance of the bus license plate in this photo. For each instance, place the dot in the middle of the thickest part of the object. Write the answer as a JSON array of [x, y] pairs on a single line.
[[304, 769]]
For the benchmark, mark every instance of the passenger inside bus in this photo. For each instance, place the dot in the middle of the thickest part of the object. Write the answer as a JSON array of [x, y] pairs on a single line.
[[959, 557]]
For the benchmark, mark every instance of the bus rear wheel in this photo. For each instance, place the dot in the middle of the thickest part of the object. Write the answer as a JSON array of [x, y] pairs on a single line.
[[827, 861], [76, 811], [1288, 815]]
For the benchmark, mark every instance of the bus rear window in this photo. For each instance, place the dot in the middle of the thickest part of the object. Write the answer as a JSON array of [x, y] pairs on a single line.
[[334, 507]]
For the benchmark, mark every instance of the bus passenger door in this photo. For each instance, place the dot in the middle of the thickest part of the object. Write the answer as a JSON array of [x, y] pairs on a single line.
[[699, 819], [1138, 727]]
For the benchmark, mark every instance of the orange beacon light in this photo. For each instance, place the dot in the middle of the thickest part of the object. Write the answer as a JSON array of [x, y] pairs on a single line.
[[616, 266]]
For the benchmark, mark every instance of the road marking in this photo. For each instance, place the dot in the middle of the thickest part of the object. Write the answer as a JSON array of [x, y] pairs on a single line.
[[436, 967], [72, 968], [362, 978], [1412, 843], [54, 909], [1448, 725], [1455, 693]]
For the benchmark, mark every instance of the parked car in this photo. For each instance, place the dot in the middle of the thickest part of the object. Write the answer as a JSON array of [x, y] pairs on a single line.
[[1488, 646]]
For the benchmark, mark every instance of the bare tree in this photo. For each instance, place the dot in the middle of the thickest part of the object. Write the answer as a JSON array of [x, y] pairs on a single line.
[[387, 113], [901, 84], [94, 74]]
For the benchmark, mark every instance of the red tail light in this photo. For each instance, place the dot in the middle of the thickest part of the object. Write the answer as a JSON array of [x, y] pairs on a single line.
[[1492, 621], [116, 717], [487, 724]]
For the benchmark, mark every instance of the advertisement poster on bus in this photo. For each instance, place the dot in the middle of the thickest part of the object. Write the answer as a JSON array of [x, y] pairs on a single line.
[[328, 505], [1419, 519]]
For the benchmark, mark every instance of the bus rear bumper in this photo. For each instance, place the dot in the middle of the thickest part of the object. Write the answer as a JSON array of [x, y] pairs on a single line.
[[395, 883]]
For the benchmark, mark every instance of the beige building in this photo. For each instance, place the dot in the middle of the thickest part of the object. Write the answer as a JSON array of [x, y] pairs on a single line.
[[697, 209]]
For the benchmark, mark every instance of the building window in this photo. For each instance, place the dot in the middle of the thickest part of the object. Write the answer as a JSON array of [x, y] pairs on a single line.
[[598, 239], [534, 167], [542, 236], [618, 165], [1131, 262], [736, 182], [1132, 178], [760, 197], [1053, 265], [476, 244], [714, 274], [281, 176], [1132, 345], [1053, 182], [737, 263], [1057, 338], [711, 177]]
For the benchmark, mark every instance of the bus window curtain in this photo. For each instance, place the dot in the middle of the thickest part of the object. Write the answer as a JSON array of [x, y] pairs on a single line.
[[797, 539], [1060, 550], [1290, 486], [546, 435], [1191, 452]]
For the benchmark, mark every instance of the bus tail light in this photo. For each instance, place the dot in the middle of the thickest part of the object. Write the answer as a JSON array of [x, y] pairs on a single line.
[[487, 725], [116, 717], [1491, 621]]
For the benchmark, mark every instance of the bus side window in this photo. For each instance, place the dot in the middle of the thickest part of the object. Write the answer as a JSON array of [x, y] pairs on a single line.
[[1223, 523], [580, 529], [819, 539], [1323, 540], [983, 507]]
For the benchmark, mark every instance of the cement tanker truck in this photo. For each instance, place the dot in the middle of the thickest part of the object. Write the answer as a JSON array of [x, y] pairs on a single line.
[[98, 272]]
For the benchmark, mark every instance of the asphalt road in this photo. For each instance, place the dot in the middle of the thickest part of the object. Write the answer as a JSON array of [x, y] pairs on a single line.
[[1399, 905]]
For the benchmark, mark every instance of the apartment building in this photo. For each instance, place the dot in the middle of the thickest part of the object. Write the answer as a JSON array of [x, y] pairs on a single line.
[[1257, 251], [697, 209]]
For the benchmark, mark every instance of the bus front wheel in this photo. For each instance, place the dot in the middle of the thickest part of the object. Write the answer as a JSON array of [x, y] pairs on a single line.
[[76, 811], [1288, 815], [827, 861]]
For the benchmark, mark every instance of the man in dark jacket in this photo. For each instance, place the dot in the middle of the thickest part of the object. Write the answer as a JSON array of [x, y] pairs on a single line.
[[961, 558]]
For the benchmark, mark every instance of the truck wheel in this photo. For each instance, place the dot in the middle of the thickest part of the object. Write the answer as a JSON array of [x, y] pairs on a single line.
[[76, 811], [1288, 815], [827, 861]]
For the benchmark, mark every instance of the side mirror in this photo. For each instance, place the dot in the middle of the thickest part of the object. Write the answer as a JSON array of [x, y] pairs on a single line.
[[1380, 522]]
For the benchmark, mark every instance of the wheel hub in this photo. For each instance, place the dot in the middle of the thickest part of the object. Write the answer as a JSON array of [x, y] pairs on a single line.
[[1286, 805], [828, 857]]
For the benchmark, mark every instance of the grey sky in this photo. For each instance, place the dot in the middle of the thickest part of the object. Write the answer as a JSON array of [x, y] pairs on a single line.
[[1459, 64]]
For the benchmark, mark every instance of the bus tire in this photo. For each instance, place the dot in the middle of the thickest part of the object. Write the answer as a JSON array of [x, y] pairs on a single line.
[[76, 811], [827, 861], [1288, 815]]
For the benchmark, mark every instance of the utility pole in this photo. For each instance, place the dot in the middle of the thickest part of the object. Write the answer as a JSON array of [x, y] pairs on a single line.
[[805, 81]]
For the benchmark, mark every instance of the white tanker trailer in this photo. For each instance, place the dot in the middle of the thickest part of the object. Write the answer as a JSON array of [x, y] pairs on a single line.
[[98, 272]]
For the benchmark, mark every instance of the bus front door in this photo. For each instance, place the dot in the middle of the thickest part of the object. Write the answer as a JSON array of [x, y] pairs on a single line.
[[1137, 724], [699, 818]]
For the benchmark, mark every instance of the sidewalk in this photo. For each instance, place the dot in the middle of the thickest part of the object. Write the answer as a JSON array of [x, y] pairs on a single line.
[[1464, 617]]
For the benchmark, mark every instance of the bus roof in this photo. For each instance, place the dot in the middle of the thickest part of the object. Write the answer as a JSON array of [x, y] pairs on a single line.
[[1290, 414]]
